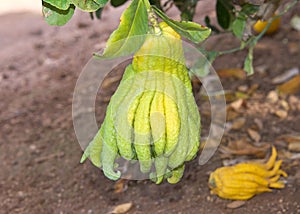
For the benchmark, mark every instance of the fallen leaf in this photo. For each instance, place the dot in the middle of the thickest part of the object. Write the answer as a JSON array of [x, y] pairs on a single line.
[[272, 97], [285, 76], [122, 208], [290, 87], [238, 123], [254, 135], [120, 186], [285, 154], [294, 103], [259, 123], [236, 73], [282, 114], [293, 142], [252, 89], [231, 114], [294, 147], [236, 105], [235, 204], [284, 104], [290, 138], [244, 147]]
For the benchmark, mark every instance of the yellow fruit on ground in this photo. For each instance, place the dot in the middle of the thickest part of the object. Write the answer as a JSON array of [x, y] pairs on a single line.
[[259, 26], [244, 180]]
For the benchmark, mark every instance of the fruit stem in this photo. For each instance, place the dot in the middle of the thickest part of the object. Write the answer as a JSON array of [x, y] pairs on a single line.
[[154, 26]]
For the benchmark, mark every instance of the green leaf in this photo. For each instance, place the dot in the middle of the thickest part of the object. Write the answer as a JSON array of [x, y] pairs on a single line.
[[89, 5], [55, 16], [238, 26], [59, 4], [134, 22], [117, 3], [190, 30], [225, 13], [249, 9], [248, 64]]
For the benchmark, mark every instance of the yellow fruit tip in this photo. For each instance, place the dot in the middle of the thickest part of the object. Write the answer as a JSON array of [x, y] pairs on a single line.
[[270, 163]]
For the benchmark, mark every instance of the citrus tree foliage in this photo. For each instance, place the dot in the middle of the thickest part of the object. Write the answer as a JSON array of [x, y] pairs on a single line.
[[235, 16]]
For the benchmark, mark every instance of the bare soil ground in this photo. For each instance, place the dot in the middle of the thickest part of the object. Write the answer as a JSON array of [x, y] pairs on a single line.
[[39, 153]]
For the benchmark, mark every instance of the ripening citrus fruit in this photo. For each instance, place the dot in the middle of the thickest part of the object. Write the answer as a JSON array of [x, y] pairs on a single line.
[[259, 26]]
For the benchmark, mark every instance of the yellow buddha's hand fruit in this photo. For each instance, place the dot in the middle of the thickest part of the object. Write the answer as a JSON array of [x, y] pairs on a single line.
[[259, 26], [152, 117], [244, 180]]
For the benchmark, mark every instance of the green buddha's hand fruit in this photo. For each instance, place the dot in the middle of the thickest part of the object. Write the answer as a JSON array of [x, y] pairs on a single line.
[[152, 117]]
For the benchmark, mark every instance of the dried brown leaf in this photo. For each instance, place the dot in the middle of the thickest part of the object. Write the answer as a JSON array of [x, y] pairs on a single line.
[[120, 186], [281, 114], [284, 104], [122, 208], [290, 87], [252, 89], [272, 97], [238, 123], [254, 135], [243, 147], [293, 142], [294, 147], [236, 105], [235, 204], [290, 138], [258, 122], [231, 114], [236, 73]]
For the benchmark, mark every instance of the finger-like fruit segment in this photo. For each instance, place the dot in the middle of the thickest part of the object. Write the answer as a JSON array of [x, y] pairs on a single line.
[[142, 137], [176, 175], [94, 149], [109, 149], [272, 159], [161, 164], [158, 123], [172, 125]]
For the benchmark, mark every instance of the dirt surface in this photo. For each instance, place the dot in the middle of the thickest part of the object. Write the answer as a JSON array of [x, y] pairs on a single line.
[[39, 153]]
